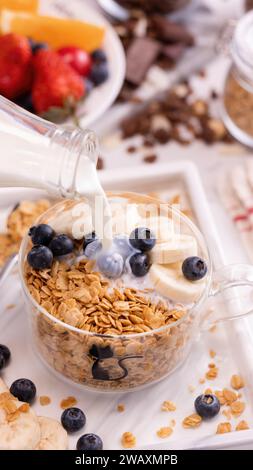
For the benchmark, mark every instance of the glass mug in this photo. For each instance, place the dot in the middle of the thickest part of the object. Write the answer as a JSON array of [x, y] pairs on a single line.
[[126, 362]]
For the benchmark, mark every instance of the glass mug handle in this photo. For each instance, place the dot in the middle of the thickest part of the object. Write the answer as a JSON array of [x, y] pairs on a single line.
[[225, 279]]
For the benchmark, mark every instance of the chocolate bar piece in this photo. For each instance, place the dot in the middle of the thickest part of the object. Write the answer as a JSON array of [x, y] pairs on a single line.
[[171, 32], [163, 6], [141, 54], [173, 51]]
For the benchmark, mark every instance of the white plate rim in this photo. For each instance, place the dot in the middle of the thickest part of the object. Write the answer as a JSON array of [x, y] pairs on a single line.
[[101, 98]]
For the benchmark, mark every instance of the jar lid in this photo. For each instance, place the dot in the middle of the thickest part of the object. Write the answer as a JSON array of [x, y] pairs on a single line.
[[242, 44]]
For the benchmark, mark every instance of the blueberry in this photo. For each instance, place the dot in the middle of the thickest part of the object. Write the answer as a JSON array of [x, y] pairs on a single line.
[[88, 85], [122, 245], [139, 264], [89, 442], [99, 73], [207, 406], [24, 390], [92, 249], [41, 234], [61, 245], [142, 239], [73, 419], [194, 268], [5, 352], [111, 264], [36, 46], [99, 56], [90, 237], [40, 257], [25, 102]]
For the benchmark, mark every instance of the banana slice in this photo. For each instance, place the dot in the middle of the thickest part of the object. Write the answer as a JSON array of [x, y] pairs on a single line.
[[20, 432], [170, 282], [53, 436], [176, 249], [75, 222]]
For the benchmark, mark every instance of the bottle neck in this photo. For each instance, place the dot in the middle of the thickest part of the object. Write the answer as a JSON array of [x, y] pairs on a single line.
[[72, 152]]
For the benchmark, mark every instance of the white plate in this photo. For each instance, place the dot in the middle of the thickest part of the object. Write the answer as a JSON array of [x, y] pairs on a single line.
[[102, 97], [142, 416]]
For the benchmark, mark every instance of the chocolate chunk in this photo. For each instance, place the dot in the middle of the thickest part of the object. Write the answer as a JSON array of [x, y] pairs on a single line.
[[131, 149], [214, 95], [163, 6], [202, 73], [171, 32], [248, 5], [100, 163], [162, 136], [148, 142], [150, 158], [141, 54], [173, 51]]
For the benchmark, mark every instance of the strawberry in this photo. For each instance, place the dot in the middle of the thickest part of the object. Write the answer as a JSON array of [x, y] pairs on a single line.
[[56, 84], [15, 65]]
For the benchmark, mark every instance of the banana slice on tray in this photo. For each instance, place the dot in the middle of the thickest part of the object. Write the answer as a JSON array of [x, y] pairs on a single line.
[[53, 436], [170, 282], [19, 426], [174, 249]]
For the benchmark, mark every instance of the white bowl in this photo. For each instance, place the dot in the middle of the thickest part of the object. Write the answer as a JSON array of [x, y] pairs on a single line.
[[102, 97]]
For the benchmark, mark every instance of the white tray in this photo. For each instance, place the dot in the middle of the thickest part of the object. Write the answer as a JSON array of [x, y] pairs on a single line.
[[142, 414]]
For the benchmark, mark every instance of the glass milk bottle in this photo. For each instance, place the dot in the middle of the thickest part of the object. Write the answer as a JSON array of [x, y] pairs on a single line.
[[38, 154]]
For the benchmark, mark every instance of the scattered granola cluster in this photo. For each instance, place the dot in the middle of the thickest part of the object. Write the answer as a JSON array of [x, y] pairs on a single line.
[[68, 402], [226, 398], [21, 218], [45, 400], [128, 440], [168, 406], [192, 421], [164, 432]]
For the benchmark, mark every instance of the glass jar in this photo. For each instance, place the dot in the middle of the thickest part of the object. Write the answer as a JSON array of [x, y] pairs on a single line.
[[124, 361], [237, 107]]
